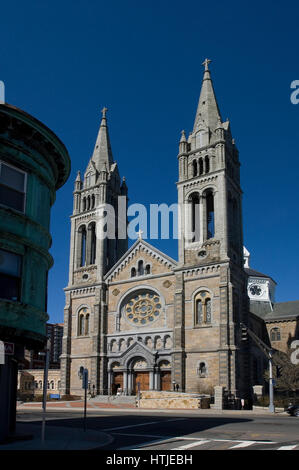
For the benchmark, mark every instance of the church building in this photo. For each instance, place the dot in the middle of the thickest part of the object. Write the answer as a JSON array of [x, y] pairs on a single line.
[[135, 317]]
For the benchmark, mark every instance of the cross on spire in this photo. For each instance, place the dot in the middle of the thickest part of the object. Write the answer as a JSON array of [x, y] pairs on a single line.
[[104, 111], [139, 233], [206, 63]]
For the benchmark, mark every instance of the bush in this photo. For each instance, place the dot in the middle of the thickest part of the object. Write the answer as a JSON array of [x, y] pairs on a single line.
[[280, 402]]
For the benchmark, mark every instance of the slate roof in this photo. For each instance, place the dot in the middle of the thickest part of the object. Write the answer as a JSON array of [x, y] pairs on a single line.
[[281, 310]]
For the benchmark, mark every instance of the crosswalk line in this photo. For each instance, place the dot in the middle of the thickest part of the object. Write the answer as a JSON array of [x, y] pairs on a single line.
[[287, 447], [243, 444], [192, 444]]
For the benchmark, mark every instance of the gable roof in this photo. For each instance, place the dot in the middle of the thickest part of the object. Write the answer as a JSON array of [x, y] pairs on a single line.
[[139, 245]]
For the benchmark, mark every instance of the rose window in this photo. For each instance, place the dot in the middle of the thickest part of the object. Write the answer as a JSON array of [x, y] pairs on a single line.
[[143, 308]]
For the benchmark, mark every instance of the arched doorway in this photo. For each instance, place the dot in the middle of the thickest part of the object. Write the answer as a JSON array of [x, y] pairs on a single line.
[[140, 375], [165, 376]]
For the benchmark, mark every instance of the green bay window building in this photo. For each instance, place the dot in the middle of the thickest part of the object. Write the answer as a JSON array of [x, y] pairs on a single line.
[[34, 164]]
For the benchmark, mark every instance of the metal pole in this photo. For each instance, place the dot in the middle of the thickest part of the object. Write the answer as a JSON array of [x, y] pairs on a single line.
[[271, 394], [45, 388], [85, 385]]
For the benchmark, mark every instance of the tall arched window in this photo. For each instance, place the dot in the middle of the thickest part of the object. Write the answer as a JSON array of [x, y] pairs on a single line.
[[83, 322], [194, 214], [87, 324], [200, 164], [147, 269], [140, 268], [84, 204], [81, 325], [93, 201], [207, 164], [194, 168], [202, 308], [93, 243], [82, 241], [210, 225]]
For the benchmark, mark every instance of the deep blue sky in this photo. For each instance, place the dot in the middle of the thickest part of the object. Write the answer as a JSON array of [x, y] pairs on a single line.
[[63, 61]]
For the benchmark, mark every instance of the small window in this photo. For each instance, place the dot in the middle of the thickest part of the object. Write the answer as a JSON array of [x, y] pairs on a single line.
[[147, 269], [133, 272], [275, 334], [202, 369], [12, 187], [10, 275]]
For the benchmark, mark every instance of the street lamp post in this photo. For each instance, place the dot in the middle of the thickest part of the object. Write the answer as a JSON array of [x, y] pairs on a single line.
[[271, 392], [45, 388]]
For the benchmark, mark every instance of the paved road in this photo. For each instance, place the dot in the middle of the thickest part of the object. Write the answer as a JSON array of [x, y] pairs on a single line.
[[181, 430]]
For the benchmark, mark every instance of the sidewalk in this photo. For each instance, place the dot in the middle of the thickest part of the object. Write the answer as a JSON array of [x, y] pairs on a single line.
[[56, 438]]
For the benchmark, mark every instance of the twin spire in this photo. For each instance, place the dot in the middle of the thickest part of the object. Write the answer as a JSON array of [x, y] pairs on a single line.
[[207, 114], [102, 154]]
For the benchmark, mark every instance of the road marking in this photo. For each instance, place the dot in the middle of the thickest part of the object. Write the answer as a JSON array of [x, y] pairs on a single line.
[[192, 444], [287, 447], [243, 444], [143, 435], [142, 424]]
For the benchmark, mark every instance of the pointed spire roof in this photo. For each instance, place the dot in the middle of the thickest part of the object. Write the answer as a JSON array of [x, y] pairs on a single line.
[[207, 114], [102, 154]]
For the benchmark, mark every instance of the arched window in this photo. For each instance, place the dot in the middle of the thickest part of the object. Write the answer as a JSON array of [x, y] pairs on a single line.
[[200, 164], [147, 269], [82, 233], [210, 224], [207, 164], [83, 322], [84, 204], [52, 385], [194, 168], [140, 268], [194, 214], [93, 201], [93, 242], [88, 203], [40, 384], [202, 308], [275, 334], [202, 369], [133, 272], [87, 324]]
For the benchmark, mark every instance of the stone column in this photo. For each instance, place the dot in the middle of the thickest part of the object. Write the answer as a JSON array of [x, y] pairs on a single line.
[[218, 397], [152, 380], [157, 380], [125, 382], [110, 374]]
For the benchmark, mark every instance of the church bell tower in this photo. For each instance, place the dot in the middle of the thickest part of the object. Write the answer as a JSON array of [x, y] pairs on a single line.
[[100, 198], [211, 250]]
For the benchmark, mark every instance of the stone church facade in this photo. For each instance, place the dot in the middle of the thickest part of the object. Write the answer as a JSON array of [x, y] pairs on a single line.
[[136, 318]]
